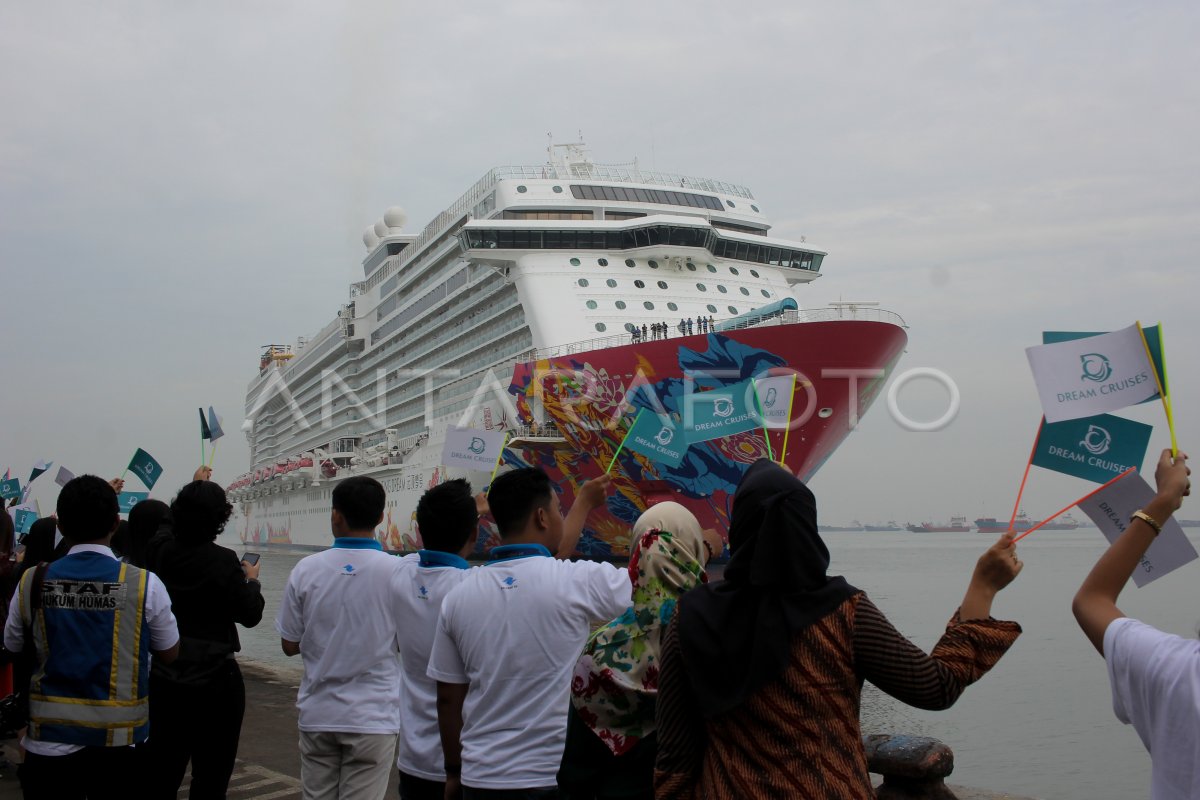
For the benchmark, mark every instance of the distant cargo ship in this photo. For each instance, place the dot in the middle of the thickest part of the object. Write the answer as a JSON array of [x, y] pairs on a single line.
[[853, 526], [1190, 523], [890, 526], [1064, 523], [993, 525], [957, 525]]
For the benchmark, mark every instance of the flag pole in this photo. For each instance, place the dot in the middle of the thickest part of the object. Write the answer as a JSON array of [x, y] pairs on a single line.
[[499, 458], [1077, 502], [622, 444], [212, 455], [1160, 383], [1021, 490], [788, 430], [762, 419]]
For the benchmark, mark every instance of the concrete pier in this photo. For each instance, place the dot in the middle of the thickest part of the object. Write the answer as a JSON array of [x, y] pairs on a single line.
[[268, 766]]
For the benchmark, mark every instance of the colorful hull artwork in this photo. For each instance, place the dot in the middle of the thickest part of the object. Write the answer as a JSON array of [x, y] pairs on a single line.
[[584, 396]]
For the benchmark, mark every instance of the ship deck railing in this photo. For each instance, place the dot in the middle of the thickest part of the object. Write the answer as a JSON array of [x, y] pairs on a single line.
[[791, 317], [622, 173]]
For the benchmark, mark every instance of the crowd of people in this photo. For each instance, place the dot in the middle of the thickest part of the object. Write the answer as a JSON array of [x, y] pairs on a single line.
[[493, 681], [660, 330]]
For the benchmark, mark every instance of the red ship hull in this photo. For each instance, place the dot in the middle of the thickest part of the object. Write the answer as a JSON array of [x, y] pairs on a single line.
[[583, 396]]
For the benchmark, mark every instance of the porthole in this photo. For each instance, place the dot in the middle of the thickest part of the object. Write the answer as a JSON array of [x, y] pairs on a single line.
[[582, 281], [591, 303], [574, 262], [825, 413], [722, 289], [702, 287], [711, 268], [672, 307], [522, 190], [629, 326], [653, 264], [620, 305], [557, 190], [745, 291], [733, 271], [611, 283], [731, 204], [732, 310], [754, 272], [765, 293], [640, 284], [691, 267], [629, 262], [600, 326], [662, 284], [754, 208], [648, 305], [711, 308], [602, 262]]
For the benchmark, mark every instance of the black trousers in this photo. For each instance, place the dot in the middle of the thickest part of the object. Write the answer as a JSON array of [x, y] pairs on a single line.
[[93, 773], [201, 724], [544, 793], [414, 788]]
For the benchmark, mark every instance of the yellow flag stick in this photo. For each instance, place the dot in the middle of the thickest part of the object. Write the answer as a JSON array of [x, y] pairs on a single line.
[[758, 408], [499, 458], [788, 429], [213, 454], [622, 444], [1160, 382]]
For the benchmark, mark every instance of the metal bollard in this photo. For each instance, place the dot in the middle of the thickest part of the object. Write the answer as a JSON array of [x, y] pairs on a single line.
[[913, 767]]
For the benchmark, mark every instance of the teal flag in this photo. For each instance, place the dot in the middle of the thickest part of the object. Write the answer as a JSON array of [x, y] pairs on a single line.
[[720, 412], [127, 500], [24, 520], [10, 488], [1093, 448], [145, 467], [657, 439], [1153, 336]]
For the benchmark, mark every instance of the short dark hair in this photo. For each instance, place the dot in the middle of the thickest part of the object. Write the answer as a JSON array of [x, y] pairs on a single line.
[[145, 519], [199, 512], [515, 495], [360, 500], [446, 516], [87, 509]]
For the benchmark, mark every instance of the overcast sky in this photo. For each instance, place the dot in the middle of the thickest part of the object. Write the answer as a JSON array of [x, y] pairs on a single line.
[[182, 183]]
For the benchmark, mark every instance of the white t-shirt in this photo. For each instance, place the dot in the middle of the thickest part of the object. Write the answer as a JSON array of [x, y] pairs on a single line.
[[425, 587], [1155, 679], [341, 605], [513, 630], [164, 633]]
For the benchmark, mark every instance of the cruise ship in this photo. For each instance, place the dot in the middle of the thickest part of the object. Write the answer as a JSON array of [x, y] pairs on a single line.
[[552, 302]]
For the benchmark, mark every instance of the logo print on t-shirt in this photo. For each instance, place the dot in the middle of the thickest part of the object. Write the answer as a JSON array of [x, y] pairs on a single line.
[[423, 593], [349, 568], [510, 582]]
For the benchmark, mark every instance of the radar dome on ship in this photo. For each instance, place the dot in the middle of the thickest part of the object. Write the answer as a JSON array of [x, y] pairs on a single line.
[[370, 239], [381, 229], [395, 218]]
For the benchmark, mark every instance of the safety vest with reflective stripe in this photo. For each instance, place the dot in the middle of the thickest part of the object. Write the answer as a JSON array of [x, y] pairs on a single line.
[[93, 652]]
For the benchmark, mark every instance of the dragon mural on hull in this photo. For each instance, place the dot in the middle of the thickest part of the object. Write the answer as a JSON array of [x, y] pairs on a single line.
[[593, 397]]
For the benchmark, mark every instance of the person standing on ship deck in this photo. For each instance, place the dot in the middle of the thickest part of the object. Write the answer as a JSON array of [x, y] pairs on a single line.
[[340, 614]]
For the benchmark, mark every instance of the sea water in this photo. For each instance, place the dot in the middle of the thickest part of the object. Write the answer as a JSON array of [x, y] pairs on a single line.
[[1040, 724]]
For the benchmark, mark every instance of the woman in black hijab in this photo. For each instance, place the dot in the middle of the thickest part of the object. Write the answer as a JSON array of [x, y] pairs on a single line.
[[762, 671]]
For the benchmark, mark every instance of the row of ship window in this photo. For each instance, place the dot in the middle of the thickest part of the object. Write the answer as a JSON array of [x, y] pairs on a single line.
[[650, 236], [612, 284], [631, 194], [629, 262]]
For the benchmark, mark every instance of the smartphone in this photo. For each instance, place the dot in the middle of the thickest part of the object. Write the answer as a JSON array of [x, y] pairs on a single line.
[[250, 558]]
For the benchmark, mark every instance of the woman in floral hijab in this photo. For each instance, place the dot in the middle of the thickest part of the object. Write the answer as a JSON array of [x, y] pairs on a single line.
[[610, 748]]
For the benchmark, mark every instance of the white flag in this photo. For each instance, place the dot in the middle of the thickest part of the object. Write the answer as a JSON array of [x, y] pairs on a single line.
[[473, 449], [64, 476], [1111, 508], [775, 400], [1086, 377]]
